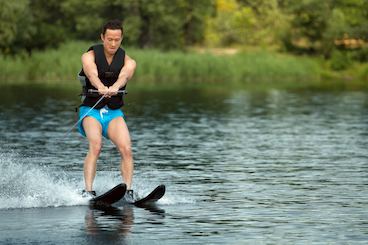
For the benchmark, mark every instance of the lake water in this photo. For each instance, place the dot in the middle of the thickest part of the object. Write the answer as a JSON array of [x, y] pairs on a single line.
[[240, 168]]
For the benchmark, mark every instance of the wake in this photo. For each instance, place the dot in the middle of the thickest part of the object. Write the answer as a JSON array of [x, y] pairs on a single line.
[[24, 184]]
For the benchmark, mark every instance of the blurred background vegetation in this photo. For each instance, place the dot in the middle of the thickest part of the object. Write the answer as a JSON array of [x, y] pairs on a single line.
[[310, 42]]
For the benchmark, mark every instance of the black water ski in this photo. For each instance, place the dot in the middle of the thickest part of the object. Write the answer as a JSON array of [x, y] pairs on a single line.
[[151, 198], [109, 197]]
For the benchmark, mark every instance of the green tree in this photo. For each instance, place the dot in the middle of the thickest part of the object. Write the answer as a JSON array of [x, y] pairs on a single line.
[[270, 21], [49, 24], [231, 24], [82, 18], [162, 24], [306, 26], [316, 25], [16, 26], [245, 22], [194, 24], [37, 24], [308, 23]]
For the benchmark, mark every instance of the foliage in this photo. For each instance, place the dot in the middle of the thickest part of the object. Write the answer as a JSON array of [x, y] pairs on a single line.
[[340, 60], [322, 28], [316, 25], [15, 30], [251, 69], [304, 27], [38, 24], [173, 67], [245, 22]]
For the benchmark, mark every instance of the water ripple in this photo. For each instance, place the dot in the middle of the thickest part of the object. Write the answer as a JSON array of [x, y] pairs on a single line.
[[272, 167]]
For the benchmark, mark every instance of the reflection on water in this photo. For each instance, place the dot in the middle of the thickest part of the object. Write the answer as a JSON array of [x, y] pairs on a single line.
[[118, 221], [240, 167]]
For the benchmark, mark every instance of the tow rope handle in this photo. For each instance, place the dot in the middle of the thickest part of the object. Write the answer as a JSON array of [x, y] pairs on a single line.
[[96, 91]]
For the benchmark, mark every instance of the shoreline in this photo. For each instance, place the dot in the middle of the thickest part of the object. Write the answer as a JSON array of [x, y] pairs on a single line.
[[252, 69]]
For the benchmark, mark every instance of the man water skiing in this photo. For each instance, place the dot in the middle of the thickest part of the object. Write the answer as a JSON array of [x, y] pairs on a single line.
[[107, 69]]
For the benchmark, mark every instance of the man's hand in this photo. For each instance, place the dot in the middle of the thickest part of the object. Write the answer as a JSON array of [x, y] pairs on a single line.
[[113, 90], [103, 90]]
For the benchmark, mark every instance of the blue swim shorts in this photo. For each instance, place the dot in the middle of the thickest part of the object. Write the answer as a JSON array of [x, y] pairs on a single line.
[[103, 116]]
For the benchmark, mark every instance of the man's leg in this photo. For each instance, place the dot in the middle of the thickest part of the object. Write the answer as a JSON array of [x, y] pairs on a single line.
[[93, 131], [119, 134]]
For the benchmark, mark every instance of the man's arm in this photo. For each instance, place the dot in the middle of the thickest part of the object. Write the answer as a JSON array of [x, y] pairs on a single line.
[[90, 69], [125, 74]]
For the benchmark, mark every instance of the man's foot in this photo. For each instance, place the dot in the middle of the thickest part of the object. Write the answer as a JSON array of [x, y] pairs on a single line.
[[90, 194], [129, 196]]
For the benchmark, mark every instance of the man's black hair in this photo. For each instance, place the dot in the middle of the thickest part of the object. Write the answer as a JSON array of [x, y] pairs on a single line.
[[112, 25]]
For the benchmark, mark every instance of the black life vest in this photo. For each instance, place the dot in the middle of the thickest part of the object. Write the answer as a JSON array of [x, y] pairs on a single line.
[[108, 74]]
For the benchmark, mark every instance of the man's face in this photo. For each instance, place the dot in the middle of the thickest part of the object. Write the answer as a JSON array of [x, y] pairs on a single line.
[[111, 40]]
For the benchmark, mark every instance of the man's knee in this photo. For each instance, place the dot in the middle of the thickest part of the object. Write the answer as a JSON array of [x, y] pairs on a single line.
[[125, 151], [95, 147]]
